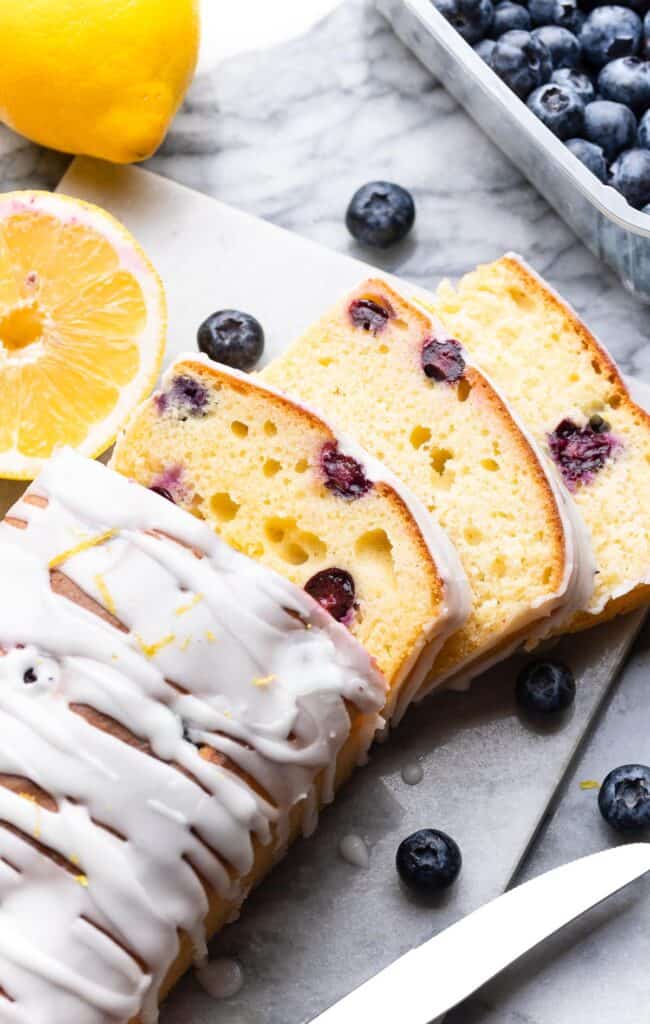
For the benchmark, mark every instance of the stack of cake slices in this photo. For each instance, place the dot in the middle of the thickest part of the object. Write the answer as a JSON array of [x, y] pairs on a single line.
[[500, 413]]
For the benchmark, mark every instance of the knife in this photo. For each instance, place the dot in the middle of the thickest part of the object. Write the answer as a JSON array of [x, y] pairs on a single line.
[[434, 977]]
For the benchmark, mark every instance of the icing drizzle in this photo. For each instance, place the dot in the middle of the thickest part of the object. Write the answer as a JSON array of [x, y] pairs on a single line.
[[170, 701]]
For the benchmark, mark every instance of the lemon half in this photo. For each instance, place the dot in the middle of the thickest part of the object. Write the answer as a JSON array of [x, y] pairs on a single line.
[[82, 328]]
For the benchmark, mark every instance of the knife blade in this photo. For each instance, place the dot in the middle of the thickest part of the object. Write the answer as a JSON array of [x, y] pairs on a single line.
[[434, 977]]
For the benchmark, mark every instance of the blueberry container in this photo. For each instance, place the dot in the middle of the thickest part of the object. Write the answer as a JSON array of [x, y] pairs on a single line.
[[603, 219]]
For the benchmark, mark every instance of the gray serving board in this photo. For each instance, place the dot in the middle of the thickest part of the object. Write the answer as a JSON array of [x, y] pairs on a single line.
[[319, 926]]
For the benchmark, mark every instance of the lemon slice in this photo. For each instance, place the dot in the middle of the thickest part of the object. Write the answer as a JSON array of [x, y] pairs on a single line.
[[82, 328]]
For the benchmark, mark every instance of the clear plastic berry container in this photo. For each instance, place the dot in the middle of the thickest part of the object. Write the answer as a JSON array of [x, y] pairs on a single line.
[[604, 220]]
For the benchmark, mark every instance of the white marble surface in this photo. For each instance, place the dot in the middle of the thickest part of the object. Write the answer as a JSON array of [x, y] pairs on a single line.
[[288, 134]]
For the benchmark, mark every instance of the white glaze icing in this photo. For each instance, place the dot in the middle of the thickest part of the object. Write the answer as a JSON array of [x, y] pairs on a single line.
[[353, 849], [457, 596], [215, 650], [221, 978]]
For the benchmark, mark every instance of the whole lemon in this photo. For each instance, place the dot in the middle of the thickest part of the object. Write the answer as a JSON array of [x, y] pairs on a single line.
[[100, 77]]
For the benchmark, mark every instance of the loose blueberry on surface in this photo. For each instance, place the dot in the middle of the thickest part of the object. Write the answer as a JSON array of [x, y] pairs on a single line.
[[590, 155], [575, 80], [624, 798], [508, 16], [370, 315], [443, 360], [29, 676], [186, 395], [334, 590], [580, 452], [545, 686], [556, 12], [380, 214], [233, 338], [163, 492], [643, 132], [524, 63], [562, 45], [484, 49], [343, 474], [559, 108], [471, 18], [428, 861], [630, 174], [626, 80], [610, 32], [612, 126]]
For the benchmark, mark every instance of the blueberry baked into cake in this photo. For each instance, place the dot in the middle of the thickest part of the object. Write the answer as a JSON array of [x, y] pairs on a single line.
[[274, 479], [406, 388]]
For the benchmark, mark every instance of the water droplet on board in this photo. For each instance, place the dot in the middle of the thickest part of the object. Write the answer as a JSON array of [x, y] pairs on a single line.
[[354, 850], [412, 774], [221, 978]]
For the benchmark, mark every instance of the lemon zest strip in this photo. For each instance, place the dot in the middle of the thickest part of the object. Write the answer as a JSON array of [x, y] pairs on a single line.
[[91, 542]]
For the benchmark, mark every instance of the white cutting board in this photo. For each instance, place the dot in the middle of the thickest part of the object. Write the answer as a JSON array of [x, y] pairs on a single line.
[[319, 926]]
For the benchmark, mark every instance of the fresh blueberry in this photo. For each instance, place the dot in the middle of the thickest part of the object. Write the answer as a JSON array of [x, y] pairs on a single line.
[[524, 63], [610, 125], [471, 18], [643, 133], [580, 452], [428, 861], [556, 12], [575, 80], [610, 32], [484, 49], [343, 474], [645, 41], [508, 16], [443, 360], [370, 315], [626, 80], [624, 798], [380, 214], [630, 174], [590, 155], [233, 338], [334, 590], [559, 108], [545, 686], [562, 45]]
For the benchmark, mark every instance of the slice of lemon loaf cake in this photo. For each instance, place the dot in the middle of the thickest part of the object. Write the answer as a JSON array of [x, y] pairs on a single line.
[[280, 486], [571, 397], [379, 366]]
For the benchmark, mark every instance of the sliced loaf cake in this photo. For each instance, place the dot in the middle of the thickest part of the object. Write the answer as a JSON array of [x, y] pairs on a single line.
[[570, 395], [279, 485], [378, 366]]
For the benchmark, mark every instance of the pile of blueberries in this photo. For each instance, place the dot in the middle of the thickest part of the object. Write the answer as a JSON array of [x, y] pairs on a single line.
[[582, 67]]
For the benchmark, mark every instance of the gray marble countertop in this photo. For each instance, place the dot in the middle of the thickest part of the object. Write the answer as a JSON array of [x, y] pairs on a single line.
[[288, 134]]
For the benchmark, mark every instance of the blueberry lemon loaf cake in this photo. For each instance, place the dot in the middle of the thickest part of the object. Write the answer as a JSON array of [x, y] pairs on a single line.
[[279, 485], [407, 390], [571, 397], [172, 714]]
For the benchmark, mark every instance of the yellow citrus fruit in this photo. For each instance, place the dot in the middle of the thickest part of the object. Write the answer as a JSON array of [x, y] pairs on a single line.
[[99, 77], [82, 328]]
